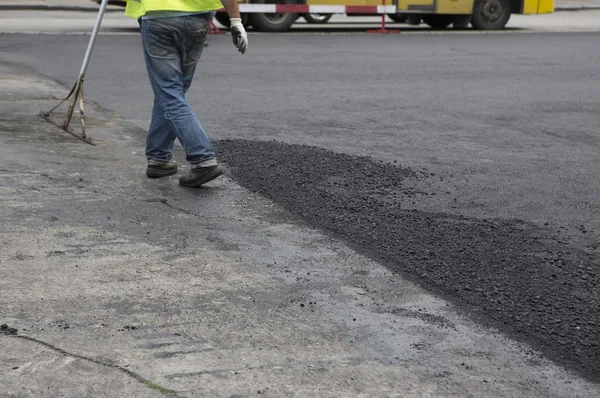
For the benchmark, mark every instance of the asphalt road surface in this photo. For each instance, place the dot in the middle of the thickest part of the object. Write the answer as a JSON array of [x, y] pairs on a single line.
[[465, 163]]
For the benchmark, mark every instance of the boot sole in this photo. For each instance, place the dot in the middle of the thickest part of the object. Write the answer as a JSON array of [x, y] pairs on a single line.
[[205, 178], [157, 173]]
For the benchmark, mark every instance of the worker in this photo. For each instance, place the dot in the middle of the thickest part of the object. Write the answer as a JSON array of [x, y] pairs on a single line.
[[173, 36]]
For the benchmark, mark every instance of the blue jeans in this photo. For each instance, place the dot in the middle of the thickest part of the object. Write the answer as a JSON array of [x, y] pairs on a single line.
[[172, 48]]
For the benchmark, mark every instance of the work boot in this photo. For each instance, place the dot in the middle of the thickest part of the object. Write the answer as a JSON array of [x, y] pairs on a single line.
[[160, 168], [199, 176]]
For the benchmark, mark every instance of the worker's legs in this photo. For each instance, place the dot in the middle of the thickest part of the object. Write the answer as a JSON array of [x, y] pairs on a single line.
[[160, 138], [172, 47]]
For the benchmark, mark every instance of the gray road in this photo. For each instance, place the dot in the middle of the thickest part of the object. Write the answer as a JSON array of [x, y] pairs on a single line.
[[481, 180], [513, 120]]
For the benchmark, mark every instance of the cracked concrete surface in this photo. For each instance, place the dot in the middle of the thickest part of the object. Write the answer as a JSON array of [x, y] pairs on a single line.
[[209, 292], [68, 372]]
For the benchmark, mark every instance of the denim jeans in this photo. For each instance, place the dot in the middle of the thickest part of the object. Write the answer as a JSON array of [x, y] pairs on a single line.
[[172, 48]]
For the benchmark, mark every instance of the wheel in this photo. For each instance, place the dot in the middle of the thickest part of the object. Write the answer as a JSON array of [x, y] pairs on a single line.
[[223, 19], [438, 21], [414, 20], [490, 14], [317, 18], [397, 17], [122, 3], [276, 22], [461, 21]]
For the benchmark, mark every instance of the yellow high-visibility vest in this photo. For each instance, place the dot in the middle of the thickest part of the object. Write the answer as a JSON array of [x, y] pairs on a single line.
[[139, 8]]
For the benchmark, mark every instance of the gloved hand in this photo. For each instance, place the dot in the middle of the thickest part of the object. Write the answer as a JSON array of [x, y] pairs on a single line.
[[238, 34]]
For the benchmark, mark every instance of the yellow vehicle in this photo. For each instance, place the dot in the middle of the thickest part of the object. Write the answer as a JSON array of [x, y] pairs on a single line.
[[264, 16]]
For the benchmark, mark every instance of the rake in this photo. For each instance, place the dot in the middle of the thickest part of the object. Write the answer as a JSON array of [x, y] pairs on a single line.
[[76, 94]]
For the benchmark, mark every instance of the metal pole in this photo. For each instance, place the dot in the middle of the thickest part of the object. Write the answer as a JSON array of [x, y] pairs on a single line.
[[88, 53]]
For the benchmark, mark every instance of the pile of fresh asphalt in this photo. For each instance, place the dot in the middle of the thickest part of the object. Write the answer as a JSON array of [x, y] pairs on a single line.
[[509, 274]]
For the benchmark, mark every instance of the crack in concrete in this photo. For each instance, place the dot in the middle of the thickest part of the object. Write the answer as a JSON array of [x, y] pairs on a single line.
[[166, 202], [136, 376]]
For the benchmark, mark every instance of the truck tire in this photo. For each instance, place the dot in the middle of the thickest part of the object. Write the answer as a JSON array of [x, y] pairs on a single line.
[[277, 22], [438, 21], [122, 3], [490, 14], [223, 19], [397, 17], [317, 18], [461, 21]]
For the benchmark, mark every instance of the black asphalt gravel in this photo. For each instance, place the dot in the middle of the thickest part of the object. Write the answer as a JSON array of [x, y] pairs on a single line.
[[510, 274]]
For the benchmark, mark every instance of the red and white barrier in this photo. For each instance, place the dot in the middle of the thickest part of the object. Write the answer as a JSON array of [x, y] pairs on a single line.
[[307, 9]]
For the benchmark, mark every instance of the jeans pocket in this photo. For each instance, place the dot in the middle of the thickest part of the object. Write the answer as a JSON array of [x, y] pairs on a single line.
[[195, 38], [160, 40], [194, 46]]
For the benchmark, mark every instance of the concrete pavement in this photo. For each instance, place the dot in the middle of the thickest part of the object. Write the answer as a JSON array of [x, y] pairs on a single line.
[[123, 286]]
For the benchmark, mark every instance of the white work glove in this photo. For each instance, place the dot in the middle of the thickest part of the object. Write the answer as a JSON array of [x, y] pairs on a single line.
[[238, 34]]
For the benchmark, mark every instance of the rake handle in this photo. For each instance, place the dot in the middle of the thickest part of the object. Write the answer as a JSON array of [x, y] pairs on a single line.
[[88, 53]]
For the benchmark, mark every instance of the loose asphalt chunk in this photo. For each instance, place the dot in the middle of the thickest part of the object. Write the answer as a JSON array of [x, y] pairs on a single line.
[[509, 274], [7, 330]]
